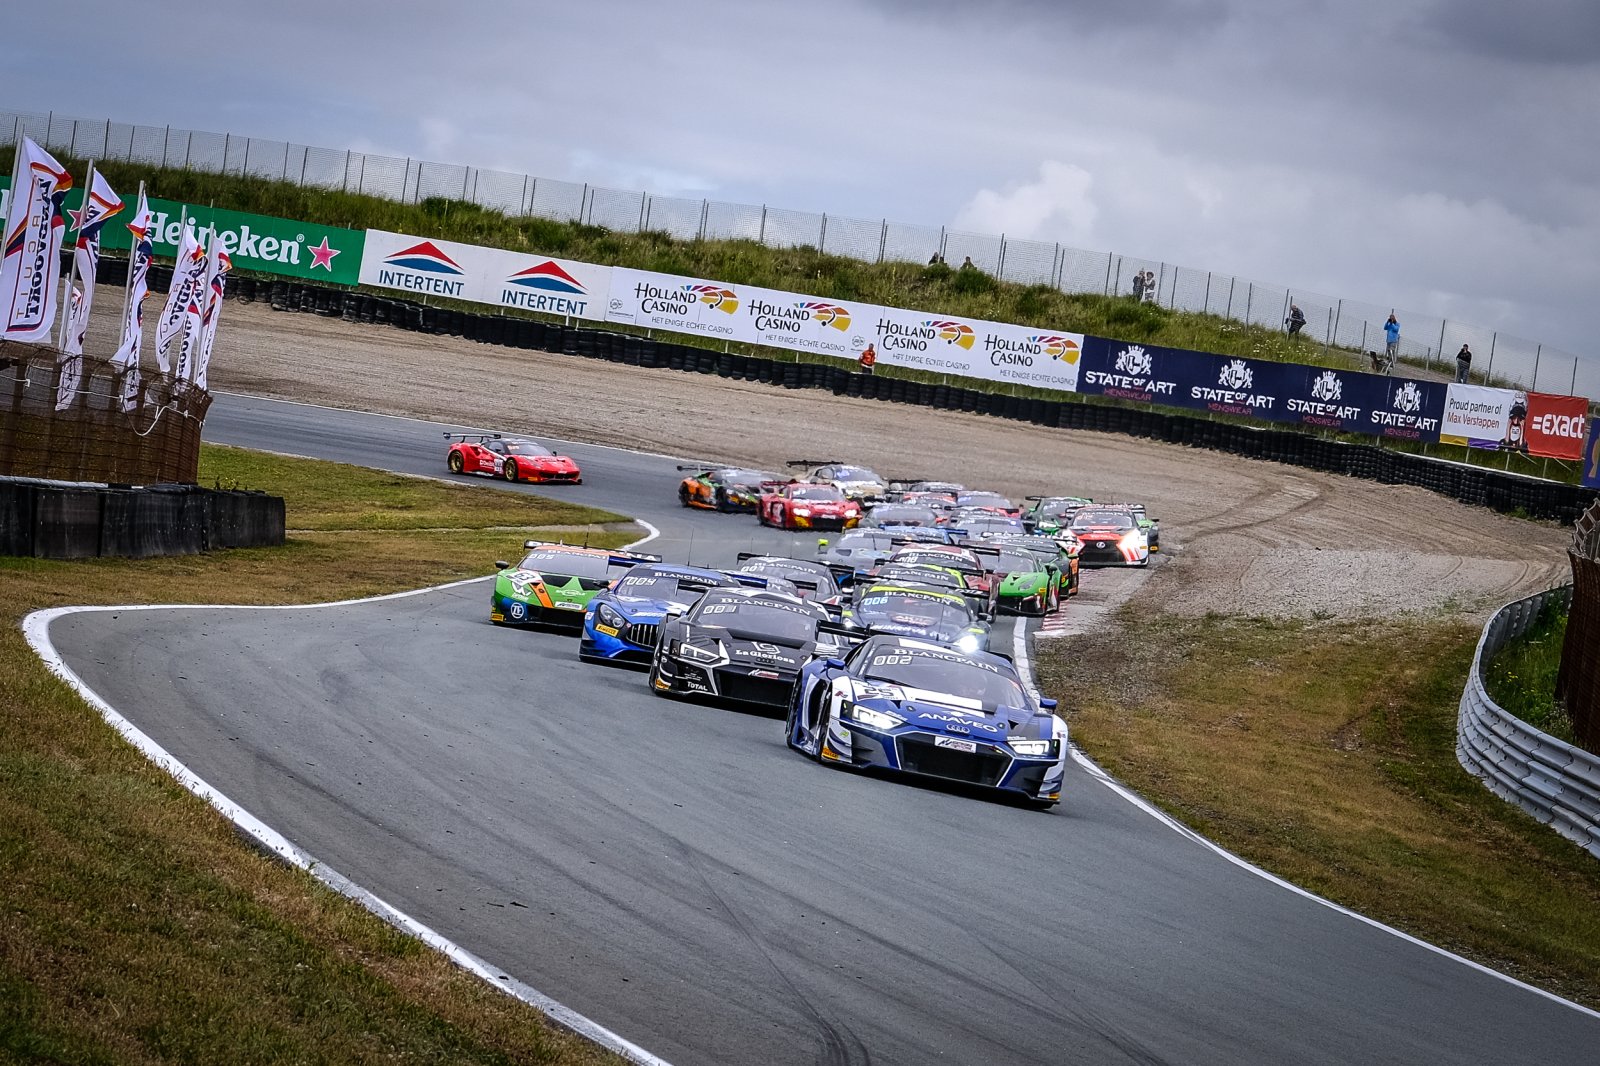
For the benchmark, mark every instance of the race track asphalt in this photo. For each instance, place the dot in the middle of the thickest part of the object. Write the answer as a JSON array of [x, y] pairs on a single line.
[[675, 873]]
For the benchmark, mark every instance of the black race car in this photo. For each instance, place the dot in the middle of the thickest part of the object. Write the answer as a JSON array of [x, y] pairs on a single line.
[[739, 644], [814, 580], [722, 488]]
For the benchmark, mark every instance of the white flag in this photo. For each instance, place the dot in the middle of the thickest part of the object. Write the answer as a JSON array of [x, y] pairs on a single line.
[[70, 364], [139, 255], [188, 275], [32, 263], [221, 263], [99, 204]]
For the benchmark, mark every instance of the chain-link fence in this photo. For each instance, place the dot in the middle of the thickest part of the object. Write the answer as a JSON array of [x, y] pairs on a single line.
[[1426, 340]]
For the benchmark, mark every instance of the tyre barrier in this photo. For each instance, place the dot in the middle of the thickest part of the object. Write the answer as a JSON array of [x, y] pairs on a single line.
[[51, 520], [1474, 485], [1556, 783]]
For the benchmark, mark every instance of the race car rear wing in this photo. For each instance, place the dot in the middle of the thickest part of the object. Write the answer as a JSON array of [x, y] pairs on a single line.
[[617, 557], [848, 636], [480, 437], [814, 462]]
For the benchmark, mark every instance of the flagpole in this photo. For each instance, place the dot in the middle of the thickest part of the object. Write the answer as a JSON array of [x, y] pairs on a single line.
[[183, 226], [133, 253], [72, 275]]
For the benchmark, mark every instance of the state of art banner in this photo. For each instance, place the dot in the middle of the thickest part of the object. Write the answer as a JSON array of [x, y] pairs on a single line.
[[429, 267], [1355, 402]]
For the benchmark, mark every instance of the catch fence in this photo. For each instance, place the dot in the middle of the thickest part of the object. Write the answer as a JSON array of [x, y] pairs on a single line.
[[1578, 685], [1426, 340]]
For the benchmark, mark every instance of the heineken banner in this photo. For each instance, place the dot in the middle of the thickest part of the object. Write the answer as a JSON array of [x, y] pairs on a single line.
[[425, 267], [258, 243]]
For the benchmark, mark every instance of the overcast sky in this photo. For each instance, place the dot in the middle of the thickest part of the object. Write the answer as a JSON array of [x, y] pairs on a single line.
[[1437, 155]]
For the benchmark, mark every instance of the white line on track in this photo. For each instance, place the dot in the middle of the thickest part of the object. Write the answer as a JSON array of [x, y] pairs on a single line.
[[36, 629], [1024, 663]]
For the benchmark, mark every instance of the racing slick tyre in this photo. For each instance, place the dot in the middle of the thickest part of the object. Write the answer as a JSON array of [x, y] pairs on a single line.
[[719, 500], [509, 471], [454, 463], [654, 676], [683, 495]]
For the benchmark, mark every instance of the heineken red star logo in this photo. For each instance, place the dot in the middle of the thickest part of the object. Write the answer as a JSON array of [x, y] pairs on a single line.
[[322, 256]]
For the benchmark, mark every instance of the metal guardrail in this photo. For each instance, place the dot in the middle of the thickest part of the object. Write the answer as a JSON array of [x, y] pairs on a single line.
[[1553, 781]]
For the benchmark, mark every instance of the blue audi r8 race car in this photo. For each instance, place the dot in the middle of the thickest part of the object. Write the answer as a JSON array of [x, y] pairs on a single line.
[[621, 622], [908, 705]]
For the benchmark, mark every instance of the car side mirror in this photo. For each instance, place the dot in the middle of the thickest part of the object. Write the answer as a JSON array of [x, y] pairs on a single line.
[[1048, 705], [501, 564], [837, 664]]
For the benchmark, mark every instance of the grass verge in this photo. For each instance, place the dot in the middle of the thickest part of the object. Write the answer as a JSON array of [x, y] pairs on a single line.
[[1522, 676], [1302, 747], [134, 925]]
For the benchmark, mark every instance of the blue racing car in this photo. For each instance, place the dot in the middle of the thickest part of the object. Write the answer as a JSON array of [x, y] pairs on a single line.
[[620, 623], [898, 703]]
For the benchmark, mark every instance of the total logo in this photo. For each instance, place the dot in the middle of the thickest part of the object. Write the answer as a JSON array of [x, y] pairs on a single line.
[[715, 297], [954, 333], [829, 315], [1328, 388]]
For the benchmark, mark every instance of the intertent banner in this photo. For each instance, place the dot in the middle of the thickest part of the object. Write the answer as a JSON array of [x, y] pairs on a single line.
[[1477, 416], [34, 227], [1556, 425], [426, 267], [680, 304]]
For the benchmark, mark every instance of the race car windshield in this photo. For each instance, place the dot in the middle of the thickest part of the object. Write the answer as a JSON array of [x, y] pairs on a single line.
[[944, 673], [1056, 510], [887, 516], [853, 473], [1102, 519], [742, 479], [789, 568], [818, 492], [921, 575], [657, 587], [1016, 563], [764, 621], [950, 559], [568, 564], [983, 499], [527, 447], [912, 609]]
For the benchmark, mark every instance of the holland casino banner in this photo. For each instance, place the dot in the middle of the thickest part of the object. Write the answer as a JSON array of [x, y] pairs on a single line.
[[969, 347], [679, 304], [425, 267], [1347, 401], [259, 243]]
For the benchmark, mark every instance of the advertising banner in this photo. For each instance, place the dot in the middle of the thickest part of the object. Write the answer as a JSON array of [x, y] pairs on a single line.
[[1591, 457], [1481, 417], [679, 304], [1555, 427], [1354, 402], [428, 267], [1196, 380], [922, 341], [1028, 355], [550, 286], [805, 323]]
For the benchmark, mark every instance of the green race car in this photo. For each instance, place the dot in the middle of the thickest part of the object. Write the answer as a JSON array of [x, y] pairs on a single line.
[[1062, 550], [553, 583], [1049, 515], [1028, 584]]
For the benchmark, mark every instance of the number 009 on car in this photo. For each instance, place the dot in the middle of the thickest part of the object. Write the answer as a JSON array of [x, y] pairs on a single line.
[[958, 745]]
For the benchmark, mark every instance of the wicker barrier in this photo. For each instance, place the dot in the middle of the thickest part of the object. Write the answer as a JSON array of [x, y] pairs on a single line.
[[1553, 781], [1578, 685]]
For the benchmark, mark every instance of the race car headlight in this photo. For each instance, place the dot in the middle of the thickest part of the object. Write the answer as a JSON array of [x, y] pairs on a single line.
[[871, 718], [1034, 748], [697, 654], [803, 512], [968, 642], [608, 616], [1132, 539]]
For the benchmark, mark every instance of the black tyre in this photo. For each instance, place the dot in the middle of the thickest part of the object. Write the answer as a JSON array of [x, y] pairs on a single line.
[[455, 463], [509, 471], [720, 501], [683, 495]]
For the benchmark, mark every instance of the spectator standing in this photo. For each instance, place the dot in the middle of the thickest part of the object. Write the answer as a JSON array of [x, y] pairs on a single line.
[[1391, 347], [1149, 286], [1296, 320], [868, 360], [1463, 364], [968, 264], [1138, 287]]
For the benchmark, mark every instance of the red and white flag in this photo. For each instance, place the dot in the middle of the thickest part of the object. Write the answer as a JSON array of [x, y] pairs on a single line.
[[221, 263], [70, 365], [188, 278], [99, 204], [35, 226]]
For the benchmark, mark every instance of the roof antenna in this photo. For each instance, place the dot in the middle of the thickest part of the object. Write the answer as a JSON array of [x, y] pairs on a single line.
[[690, 559], [586, 538]]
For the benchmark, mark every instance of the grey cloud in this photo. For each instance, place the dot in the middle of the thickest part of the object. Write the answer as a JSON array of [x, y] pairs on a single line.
[[1563, 32]]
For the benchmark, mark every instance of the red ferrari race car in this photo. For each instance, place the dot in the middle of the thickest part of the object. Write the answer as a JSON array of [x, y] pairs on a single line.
[[509, 457], [806, 505]]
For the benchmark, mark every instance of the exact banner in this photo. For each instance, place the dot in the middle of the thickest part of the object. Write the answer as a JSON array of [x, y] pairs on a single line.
[[1481, 417], [485, 275], [679, 304], [1555, 426]]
